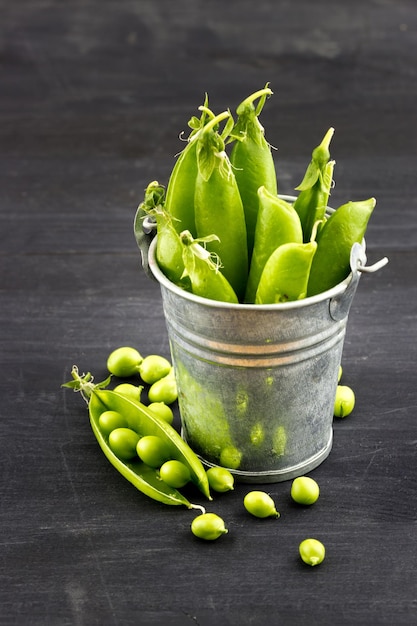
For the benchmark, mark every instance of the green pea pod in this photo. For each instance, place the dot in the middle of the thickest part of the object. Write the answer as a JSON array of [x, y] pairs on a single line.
[[179, 200], [168, 245], [145, 478], [277, 223], [140, 419], [285, 275], [345, 226], [218, 205], [315, 187], [144, 422], [181, 186], [203, 270], [251, 158], [169, 250]]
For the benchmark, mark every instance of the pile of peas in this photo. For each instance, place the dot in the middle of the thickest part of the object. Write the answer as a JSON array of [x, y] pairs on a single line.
[[157, 453]]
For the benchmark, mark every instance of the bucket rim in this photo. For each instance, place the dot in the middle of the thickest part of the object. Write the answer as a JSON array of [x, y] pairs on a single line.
[[240, 306]]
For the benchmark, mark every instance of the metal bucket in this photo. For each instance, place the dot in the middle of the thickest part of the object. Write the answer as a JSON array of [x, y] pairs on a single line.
[[257, 383]]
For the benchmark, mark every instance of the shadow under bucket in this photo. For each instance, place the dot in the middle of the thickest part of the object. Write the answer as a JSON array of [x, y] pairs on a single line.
[[257, 383]]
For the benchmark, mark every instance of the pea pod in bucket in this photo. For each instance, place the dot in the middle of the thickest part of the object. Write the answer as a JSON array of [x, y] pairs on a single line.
[[142, 421]]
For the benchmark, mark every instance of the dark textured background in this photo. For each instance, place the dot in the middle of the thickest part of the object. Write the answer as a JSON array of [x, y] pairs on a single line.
[[93, 96]]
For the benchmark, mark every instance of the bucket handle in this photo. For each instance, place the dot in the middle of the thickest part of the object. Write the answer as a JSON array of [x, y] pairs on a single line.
[[144, 227], [339, 305]]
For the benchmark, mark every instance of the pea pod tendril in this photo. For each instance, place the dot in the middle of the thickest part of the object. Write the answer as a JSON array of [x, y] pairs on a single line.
[[141, 420]]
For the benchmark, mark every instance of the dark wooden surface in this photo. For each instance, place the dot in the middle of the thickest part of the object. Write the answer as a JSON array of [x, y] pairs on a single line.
[[93, 95]]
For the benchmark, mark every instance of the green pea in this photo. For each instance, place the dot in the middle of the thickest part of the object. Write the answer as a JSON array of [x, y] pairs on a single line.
[[174, 473], [162, 410], [124, 362], [152, 450], [230, 457], [110, 420], [304, 490], [123, 442], [164, 390], [153, 368], [344, 402], [220, 479], [129, 391], [260, 504], [208, 526], [312, 551]]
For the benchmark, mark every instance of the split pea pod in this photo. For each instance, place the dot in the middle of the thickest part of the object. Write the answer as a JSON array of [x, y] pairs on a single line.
[[285, 275], [345, 226], [277, 223], [138, 421], [179, 201], [218, 205], [202, 268], [144, 422], [251, 158], [315, 187], [145, 478]]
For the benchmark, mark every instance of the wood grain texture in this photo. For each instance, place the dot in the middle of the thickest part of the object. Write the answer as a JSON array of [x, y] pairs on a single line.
[[93, 97]]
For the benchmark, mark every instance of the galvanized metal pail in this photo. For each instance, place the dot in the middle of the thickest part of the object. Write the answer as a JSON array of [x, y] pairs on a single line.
[[257, 383]]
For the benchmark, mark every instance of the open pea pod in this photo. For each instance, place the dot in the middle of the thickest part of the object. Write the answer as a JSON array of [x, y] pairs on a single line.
[[144, 422], [145, 478]]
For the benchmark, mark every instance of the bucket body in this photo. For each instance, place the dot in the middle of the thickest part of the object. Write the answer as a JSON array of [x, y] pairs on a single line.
[[257, 383]]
